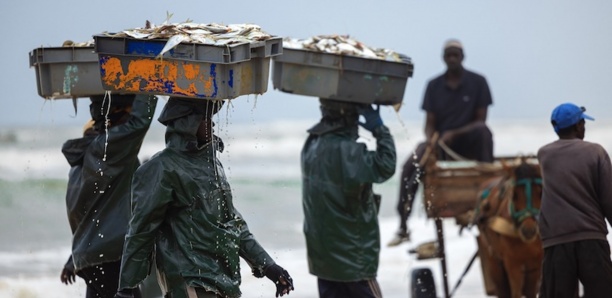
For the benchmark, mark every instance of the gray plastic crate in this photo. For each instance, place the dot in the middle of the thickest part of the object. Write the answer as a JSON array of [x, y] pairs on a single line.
[[189, 70], [233, 53], [66, 72], [339, 77]]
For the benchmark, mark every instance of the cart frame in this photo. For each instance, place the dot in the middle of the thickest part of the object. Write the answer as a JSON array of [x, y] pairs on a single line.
[[451, 190]]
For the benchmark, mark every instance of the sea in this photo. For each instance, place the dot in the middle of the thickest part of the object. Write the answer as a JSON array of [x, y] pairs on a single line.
[[263, 167]]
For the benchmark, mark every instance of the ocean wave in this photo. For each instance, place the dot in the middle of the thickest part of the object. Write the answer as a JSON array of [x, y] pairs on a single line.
[[274, 147]]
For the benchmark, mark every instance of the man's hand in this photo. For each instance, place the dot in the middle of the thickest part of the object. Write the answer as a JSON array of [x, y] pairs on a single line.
[[67, 276], [448, 137], [371, 116], [281, 278]]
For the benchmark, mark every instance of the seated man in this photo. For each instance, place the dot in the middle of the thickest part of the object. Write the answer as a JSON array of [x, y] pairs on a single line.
[[456, 104]]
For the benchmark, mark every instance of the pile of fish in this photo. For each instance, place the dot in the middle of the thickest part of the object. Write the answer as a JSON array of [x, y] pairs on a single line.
[[210, 34], [342, 45], [189, 32], [70, 43]]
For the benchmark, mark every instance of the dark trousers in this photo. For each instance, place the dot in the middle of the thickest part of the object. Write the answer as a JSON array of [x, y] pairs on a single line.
[[103, 280], [477, 144], [587, 261], [368, 288]]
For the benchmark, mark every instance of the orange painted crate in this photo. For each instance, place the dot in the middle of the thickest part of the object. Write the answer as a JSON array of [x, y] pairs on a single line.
[[189, 70]]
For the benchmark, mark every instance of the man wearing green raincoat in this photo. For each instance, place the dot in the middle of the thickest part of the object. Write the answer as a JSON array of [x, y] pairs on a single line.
[[340, 208], [183, 216], [98, 195]]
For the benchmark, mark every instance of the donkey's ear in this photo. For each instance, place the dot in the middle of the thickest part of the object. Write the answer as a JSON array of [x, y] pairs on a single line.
[[507, 167]]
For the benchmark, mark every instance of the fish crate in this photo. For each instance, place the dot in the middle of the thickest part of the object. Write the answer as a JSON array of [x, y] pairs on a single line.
[[341, 77], [66, 72], [188, 70]]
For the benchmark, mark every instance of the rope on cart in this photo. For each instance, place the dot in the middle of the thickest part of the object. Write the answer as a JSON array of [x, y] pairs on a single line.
[[481, 166]]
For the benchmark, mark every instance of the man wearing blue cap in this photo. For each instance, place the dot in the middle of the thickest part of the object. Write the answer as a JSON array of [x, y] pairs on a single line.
[[576, 201]]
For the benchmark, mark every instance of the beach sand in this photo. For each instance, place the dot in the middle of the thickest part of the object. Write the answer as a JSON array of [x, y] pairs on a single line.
[[393, 274]]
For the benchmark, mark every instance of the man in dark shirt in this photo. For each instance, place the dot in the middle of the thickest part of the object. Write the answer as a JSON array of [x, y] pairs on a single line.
[[456, 104], [576, 201]]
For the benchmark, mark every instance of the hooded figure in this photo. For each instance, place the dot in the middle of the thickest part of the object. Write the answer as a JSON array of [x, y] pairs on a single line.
[[183, 215], [98, 195], [340, 208]]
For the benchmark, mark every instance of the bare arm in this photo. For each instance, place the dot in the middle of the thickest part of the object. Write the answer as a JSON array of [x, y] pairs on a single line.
[[430, 127]]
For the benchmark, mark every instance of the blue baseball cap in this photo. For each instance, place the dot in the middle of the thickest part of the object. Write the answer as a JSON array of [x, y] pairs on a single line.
[[566, 115]]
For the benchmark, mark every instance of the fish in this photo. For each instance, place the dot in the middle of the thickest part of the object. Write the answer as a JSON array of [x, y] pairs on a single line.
[[70, 43], [172, 42], [198, 33], [343, 45]]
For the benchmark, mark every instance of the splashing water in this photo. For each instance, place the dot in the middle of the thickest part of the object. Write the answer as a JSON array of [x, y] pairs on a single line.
[[107, 94], [413, 152], [254, 103], [401, 122]]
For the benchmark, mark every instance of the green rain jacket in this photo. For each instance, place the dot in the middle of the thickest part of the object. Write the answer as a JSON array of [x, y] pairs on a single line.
[[182, 206], [340, 209], [98, 194]]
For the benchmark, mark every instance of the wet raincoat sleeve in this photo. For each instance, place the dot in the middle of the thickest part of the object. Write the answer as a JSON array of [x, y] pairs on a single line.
[[252, 252], [133, 130], [374, 166], [151, 196]]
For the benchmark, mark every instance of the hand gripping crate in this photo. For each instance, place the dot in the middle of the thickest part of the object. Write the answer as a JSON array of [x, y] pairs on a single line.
[[66, 72], [341, 77], [189, 70]]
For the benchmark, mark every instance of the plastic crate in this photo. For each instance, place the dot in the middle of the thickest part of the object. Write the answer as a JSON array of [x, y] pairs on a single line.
[[66, 72], [188, 70], [339, 77]]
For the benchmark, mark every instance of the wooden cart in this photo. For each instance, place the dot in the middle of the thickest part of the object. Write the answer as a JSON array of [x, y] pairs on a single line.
[[451, 190]]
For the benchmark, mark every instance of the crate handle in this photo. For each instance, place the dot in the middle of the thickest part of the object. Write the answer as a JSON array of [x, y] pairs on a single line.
[[227, 55]]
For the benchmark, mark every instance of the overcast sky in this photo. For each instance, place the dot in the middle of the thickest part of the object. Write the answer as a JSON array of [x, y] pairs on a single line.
[[535, 54]]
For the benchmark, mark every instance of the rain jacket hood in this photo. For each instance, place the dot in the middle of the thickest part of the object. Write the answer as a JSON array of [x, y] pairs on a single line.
[[336, 115], [183, 117], [98, 192], [340, 208], [183, 217]]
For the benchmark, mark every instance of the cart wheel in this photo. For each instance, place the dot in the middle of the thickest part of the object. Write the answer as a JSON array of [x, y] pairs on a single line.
[[422, 284]]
